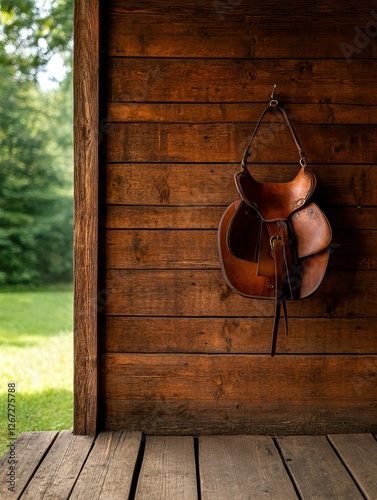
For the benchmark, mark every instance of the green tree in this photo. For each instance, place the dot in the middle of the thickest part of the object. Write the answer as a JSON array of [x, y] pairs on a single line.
[[32, 32], [35, 145]]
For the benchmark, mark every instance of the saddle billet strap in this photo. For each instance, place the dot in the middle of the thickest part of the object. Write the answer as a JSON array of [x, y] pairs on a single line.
[[281, 251], [293, 133]]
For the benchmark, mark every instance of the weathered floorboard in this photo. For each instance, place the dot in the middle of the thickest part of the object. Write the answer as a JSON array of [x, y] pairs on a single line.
[[359, 453], [316, 469], [109, 469], [226, 467], [168, 469], [242, 467], [60, 468], [29, 449]]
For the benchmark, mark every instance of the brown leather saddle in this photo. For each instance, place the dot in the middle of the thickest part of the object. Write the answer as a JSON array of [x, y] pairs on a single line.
[[274, 241]]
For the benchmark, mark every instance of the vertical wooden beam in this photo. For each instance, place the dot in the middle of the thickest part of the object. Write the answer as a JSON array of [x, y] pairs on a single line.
[[86, 112]]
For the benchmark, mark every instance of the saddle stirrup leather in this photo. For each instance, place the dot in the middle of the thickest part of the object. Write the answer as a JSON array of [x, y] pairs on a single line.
[[274, 241]]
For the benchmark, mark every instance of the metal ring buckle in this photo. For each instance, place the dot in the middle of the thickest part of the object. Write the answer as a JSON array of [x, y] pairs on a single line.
[[303, 162], [272, 239]]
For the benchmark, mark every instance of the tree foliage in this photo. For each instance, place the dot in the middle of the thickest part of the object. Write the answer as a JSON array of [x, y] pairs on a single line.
[[35, 149], [33, 31]]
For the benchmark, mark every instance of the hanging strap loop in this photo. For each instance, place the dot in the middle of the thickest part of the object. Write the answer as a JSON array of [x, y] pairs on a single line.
[[274, 105]]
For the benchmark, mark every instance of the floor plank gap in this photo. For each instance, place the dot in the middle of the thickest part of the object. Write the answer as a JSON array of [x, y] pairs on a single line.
[[287, 469], [136, 474]]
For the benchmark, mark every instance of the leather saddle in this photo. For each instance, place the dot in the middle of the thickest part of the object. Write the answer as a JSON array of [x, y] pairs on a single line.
[[274, 241]]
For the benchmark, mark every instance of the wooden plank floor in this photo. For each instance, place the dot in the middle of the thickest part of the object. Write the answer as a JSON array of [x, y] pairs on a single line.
[[127, 465]]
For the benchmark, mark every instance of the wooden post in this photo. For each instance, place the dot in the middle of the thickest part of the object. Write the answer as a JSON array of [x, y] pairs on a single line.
[[86, 104]]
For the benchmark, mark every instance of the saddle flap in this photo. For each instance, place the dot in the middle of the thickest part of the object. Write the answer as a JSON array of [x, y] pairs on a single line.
[[244, 233], [311, 229], [266, 264]]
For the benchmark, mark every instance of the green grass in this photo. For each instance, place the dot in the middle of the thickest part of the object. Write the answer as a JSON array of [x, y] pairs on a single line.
[[36, 352]]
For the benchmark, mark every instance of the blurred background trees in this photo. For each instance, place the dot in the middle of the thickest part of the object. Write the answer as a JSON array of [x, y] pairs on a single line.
[[36, 157]]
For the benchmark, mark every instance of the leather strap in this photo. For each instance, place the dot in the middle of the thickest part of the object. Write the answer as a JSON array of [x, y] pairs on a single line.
[[277, 249], [279, 240], [293, 133]]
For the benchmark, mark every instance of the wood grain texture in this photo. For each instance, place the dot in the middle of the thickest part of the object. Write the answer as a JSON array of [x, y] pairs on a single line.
[[197, 249], [203, 378], [316, 469], [168, 469], [197, 217], [226, 142], [186, 82], [179, 417], [86, 101], [109, 468], [213, 38], [29, 450], [213, 184], [205, 293], [359, 453], [258, 10], [323, 113], [60, 468], [240, 80], [242, 467], [210, 394], [236, 335]]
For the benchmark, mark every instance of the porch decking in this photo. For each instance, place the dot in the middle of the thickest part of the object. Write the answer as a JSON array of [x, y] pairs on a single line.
[[121, 465]]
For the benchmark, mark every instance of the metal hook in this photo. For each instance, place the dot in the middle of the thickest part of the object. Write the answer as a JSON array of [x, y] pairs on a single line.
[[274, 102], [273, 93]]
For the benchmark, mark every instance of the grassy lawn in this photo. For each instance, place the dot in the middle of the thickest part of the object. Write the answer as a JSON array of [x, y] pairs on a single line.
[[36, 352]]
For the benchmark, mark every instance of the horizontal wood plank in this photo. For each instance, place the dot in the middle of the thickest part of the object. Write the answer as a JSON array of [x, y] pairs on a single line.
[[236, 335], [60, 468], [135, 35], [240, 80], [226, 142], [172, 217], [168, 470], [316, 469], [205, 293], [257, 11], [203, 184], [359, 453], [235, 466], [141, 376], [109, 469], [322, 113], [19, 464], [232, 417], [198, 249], [210, 394]]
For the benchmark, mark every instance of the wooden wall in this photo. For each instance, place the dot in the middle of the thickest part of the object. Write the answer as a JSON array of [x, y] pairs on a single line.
[[183, 85]]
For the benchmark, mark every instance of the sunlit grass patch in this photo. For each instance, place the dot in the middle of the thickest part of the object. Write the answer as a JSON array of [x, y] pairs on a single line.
[[36, 352]]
